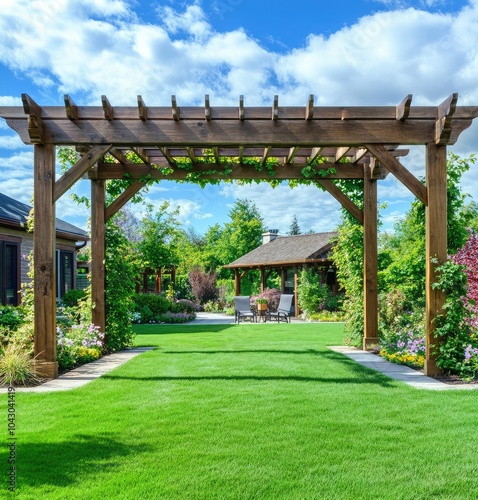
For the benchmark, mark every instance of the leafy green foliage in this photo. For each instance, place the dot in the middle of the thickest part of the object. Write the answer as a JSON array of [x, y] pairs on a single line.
[[159, 238], [347, 255], [312, 294], [121, 272]]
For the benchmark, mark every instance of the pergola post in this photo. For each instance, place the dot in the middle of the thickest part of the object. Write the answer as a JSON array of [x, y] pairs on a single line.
[[436, 244], [44, 261], [370, 278], [98, 230]]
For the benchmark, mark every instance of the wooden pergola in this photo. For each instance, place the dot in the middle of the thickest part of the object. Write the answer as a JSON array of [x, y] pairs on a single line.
[[368, 137]]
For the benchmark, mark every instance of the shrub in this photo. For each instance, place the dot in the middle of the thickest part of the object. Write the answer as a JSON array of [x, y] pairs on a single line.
[[11, 317], [311, 293], [171, 317], [272, 295], [71, 297], [78, 344], [17, 366], [203, 285], [156, 303], [185, 306], [328, 316], [455, 329]]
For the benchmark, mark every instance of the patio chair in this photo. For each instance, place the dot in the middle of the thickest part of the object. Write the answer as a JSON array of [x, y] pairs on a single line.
[[242, 309], [283, 309]]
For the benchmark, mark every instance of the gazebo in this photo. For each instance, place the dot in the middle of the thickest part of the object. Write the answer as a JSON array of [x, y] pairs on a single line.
[[351, 143], [288, 255]]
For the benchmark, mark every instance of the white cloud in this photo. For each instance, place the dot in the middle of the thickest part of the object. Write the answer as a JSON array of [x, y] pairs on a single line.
[[11, 142], [314, 209], [8, 100], [99, 47]]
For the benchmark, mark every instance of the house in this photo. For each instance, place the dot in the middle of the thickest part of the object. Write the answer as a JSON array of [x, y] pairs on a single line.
[[16, 243], [288, 256]]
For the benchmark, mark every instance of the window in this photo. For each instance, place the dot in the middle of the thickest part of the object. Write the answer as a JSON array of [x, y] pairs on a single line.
[[9, 272], [64, 272]]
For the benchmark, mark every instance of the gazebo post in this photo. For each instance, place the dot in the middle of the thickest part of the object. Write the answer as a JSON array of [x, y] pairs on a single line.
[[370, 279], [263, 279], [237, 283], [98, 253], [436, 244], [44, 261]]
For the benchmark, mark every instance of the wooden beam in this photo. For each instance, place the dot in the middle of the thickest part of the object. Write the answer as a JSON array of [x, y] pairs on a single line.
[[275, 108], [142, 109], [71, 108], [44, 262], [341, 152], [359, 154], [238, 171], [436, 246], [78, 169], [370, 278], [107, 108], [399, 171], [168, 157], [141, 154], [344, 200], [291, 155], [265, 155], [98, 253], [174, 108], [403, 109], [241, 107], [309, 109], [35, 126], [207, 107], [123, 198], [233, 133], [446, 110], [191, 154], [315, 153]]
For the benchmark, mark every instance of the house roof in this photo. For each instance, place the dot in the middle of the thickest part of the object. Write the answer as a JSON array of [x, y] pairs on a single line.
[[15, 213], [288, 250]]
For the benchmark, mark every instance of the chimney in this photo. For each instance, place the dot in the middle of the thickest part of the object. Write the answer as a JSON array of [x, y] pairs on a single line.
[[271, 235]]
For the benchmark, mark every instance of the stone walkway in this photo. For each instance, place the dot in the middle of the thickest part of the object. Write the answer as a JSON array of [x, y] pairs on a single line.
[[86, 373], [402, 373]]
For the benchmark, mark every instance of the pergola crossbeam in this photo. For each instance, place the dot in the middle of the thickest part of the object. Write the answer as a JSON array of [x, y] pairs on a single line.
[[67, 180]]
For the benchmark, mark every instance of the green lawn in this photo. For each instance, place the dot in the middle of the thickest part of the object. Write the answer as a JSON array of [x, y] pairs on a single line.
[[244, 412]]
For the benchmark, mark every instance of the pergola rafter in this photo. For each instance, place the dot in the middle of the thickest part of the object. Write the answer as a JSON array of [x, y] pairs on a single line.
[[175, 142]]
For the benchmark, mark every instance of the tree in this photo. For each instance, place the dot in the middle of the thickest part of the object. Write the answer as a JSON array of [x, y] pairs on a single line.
[[159, 238], [242, 234], [294, 227]]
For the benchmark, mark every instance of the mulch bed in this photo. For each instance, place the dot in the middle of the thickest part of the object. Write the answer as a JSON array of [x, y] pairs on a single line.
[[450, 379]]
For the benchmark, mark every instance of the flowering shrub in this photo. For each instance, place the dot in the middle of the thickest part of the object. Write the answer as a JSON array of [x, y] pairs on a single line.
[[155, 308], [185, 306], [272, 295], [406, 346], [78, 344], [171, 317], [457, 348]]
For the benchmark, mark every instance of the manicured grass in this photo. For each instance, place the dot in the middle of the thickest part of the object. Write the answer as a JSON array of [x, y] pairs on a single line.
[[245, 412]]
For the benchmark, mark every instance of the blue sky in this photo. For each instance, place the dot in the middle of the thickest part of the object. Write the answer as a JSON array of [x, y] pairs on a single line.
[[372, 52]]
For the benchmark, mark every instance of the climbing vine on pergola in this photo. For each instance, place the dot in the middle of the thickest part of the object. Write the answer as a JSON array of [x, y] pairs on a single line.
[[209, 144]]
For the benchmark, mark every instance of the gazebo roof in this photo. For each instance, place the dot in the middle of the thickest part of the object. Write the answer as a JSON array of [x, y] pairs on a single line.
[[288, 251]]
